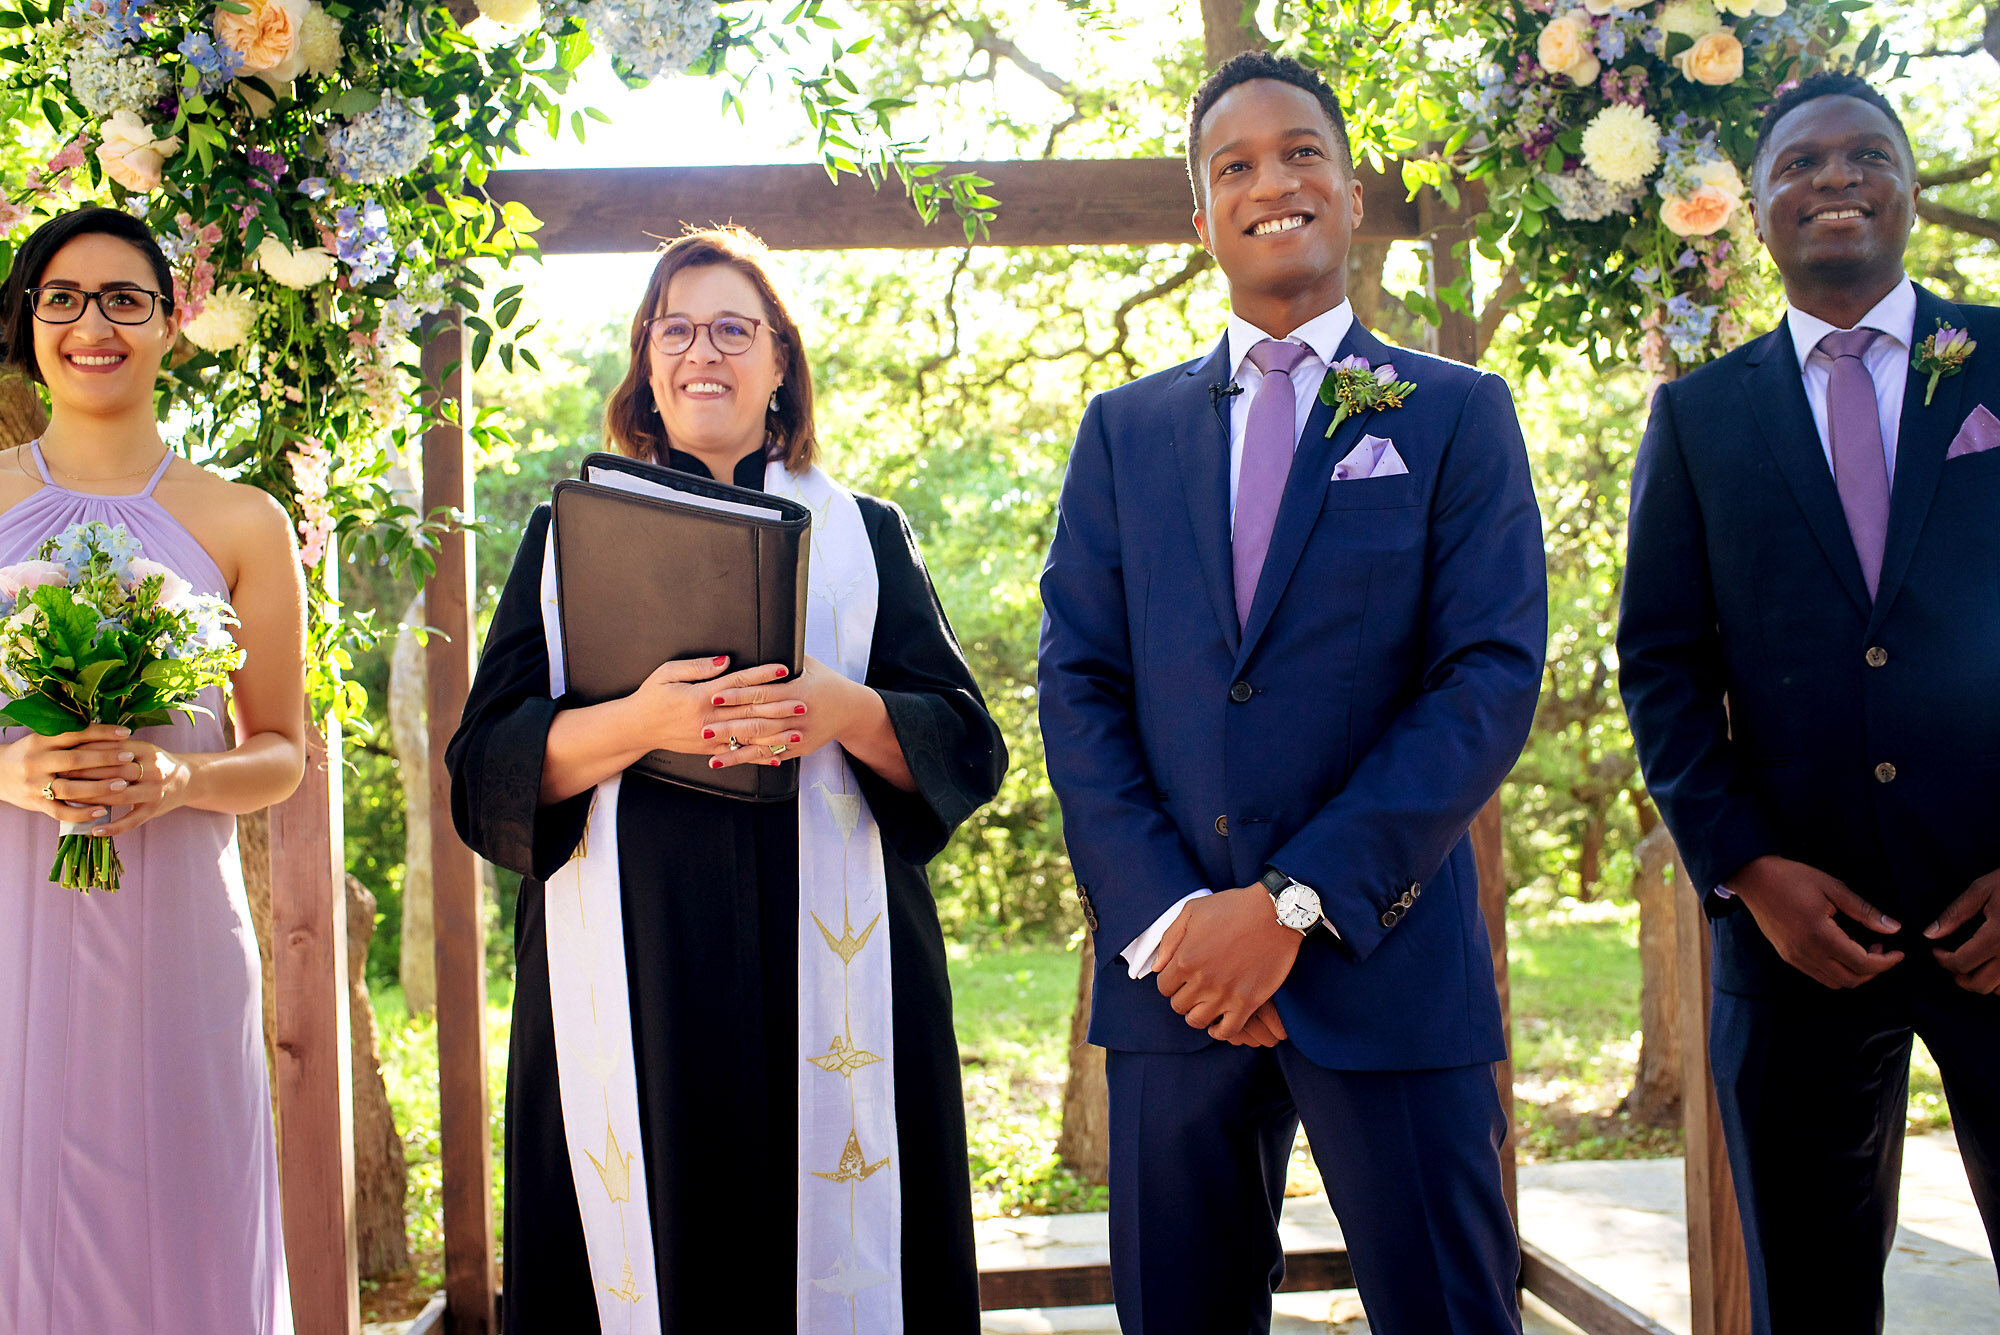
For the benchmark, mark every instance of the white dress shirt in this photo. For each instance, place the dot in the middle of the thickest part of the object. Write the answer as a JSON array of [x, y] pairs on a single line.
[[1887, 360], [1322, 335], [1888, 363]]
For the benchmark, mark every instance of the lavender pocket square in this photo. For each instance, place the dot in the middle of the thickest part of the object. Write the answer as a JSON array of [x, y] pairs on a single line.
[[1373, 457], [1980, 433]]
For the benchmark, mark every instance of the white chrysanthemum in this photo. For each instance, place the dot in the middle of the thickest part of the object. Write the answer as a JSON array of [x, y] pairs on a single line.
[[293, 268], [1765, 9], [225, 322], [319, 42], [1696, 18], [1621, 144], [510, 13]]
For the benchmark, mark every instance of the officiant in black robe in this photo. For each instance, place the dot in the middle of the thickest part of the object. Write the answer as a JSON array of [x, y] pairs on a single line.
[[710, 893]]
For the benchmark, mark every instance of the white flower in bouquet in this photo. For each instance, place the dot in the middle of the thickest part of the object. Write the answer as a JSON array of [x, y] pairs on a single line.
[[304, 268], [319, 42], [105, 83], [1695, 18], [1743, 9], [1584, 196], [510, 13], [1565, 48], [132, 154], [1603, 7], [17, 579], [653, 38], [174, 591], [381, 144], [225, 321], [1621, 144]]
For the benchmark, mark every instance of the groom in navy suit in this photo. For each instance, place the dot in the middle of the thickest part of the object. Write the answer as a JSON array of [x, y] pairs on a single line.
[[1283, 663], [1810, 654]]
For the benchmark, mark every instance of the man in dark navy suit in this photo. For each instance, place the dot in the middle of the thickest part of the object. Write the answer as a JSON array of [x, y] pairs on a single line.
[[1283, 664], [1810, 649]]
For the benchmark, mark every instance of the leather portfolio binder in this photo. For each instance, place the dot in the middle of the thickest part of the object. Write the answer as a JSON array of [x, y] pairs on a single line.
[[654, 564]]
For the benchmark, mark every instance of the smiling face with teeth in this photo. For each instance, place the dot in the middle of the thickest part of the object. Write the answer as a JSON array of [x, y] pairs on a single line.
[[1835, 197], [712, 405], [1278, 204], [93, 367]]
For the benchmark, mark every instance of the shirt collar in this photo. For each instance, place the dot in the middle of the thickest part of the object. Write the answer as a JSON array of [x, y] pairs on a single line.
[[1323, 334], [1894, 315]]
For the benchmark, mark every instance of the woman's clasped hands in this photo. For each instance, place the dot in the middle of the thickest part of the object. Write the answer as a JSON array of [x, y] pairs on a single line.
[[758, 716]]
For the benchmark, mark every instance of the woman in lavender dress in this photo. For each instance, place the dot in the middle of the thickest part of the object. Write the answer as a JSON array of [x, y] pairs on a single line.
[[138, 1179]]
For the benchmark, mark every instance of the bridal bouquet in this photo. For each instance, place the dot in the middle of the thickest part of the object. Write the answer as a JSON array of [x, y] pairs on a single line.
[[96, 633]]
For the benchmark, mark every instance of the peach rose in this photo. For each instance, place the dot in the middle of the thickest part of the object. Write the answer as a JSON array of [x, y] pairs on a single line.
[[1565, 48], [267, 37], [1715, 59], [1701, 213], [132, 155]]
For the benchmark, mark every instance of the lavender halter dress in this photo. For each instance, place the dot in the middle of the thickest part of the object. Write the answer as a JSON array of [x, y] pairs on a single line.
[[138, 1176]]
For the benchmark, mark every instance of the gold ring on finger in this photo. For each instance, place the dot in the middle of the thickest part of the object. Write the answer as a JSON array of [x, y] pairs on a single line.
[[735, 745], [49, 790], [779, 749]]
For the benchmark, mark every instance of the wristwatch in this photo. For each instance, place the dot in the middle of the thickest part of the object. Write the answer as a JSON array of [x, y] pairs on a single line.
[[1297, 903]]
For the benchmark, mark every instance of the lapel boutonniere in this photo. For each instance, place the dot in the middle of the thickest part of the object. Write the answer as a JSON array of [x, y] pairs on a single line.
[[1353, 386], [1943, 353]]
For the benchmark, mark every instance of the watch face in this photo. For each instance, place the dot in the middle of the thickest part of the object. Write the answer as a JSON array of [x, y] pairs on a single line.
[[1298, 907]]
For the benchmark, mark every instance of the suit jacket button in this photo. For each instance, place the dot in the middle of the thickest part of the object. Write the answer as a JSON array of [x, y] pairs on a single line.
[[1239, 691], [1389, 917], [1877, 656], [1222, 826], [1885, 773]]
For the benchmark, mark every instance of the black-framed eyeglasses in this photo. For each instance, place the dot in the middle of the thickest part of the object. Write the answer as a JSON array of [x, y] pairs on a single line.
[[121, 305], [731, 335]]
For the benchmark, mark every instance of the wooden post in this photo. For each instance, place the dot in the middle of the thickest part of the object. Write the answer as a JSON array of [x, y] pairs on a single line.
[[1457, 337], [459, 910], [1718, 1273], [314, 1075]]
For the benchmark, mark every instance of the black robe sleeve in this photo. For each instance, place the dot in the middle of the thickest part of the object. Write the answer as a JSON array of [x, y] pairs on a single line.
[[954, 751], [496, 757]]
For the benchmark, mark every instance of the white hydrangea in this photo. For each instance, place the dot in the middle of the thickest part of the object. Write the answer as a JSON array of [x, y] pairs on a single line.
[[509, 13], [319, 42], [1621, 144], [106, 83], [293, 268], [1696, 18], [653, 38], [1584, 196], [225, 322]]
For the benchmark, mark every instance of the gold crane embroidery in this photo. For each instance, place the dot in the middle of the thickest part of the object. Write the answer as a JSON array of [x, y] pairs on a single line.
[[847, 945], [627, 1291], [614, 1169], [844, 1058], [854, 1165]]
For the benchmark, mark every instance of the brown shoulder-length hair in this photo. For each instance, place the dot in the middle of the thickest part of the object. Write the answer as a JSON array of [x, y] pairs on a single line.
[[632, 424]]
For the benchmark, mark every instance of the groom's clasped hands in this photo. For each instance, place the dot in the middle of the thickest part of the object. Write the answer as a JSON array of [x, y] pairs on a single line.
[[1221, 961]]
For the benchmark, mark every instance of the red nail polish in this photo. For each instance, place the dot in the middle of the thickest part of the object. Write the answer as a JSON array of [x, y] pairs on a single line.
[[707, 733], [798, 709], [777, 762], [720, 659], [784, 672], [715, 764], [793, 738], [718, 699]]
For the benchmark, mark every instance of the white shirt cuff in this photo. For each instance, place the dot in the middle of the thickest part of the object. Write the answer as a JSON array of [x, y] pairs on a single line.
[[1138, 956]]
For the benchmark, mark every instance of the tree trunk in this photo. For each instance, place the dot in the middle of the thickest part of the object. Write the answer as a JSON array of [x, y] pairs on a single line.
[[253, 850], [1085, 1143], [381, 1178], [1226, 31], [21, 415], [1655, 1099], [1590, 857], [409, 735]]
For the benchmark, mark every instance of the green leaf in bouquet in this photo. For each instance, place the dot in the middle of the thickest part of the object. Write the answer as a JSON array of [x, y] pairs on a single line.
[[156, 718], [89, 681], [41, 715]]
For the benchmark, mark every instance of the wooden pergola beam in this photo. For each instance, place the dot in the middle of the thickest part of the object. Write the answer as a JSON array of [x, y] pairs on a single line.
[[1128, 202]]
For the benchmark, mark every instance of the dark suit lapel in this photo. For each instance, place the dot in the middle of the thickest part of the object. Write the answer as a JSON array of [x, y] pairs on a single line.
[[1305, 489], [1921, 441], [1777, 392], [1201, 444]]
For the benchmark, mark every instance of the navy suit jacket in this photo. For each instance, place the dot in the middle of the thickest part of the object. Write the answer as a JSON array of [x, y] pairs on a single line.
[[1381, 690], [1777, 710]]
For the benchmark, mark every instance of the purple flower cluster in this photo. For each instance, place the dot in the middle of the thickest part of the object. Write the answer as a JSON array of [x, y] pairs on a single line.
[[362, 241], [216, 62]]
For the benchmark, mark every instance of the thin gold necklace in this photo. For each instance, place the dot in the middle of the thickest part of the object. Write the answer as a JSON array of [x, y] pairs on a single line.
[[108, 477]]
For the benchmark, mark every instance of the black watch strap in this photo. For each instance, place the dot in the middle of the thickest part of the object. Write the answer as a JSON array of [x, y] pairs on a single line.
[[1274, 880]]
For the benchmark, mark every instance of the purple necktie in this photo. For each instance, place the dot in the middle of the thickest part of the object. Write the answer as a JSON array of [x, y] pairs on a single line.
[[1270, 435], [1854, 431]]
